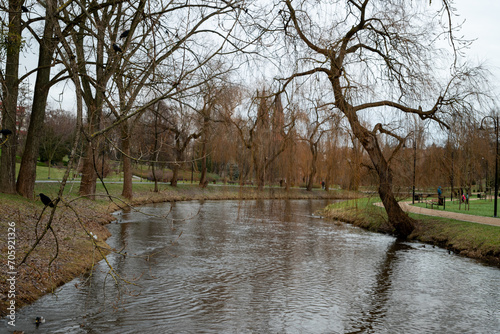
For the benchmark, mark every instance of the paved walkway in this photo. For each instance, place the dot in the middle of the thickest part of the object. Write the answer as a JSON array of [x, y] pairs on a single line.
[[446, 214]]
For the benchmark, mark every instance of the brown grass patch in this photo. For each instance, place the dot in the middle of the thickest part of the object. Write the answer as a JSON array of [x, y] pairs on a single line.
[[75, 254]]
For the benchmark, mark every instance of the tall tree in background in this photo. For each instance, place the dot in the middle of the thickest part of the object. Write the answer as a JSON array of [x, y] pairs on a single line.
[[93, 29], [151, 51], [315, 126], [181, 125], [56, 136], [27, 172], [217, 99], [260, 133], [10, 88], [156, 141], [205, 119]]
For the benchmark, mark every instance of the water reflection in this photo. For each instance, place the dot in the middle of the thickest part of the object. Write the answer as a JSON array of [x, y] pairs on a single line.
[[379, 296], [270, 267]]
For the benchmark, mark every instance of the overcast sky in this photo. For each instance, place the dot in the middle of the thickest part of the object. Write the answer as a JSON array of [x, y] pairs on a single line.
[[481, 24]]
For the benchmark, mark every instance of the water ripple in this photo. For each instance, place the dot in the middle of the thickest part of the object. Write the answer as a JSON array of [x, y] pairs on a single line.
[[268, 267]]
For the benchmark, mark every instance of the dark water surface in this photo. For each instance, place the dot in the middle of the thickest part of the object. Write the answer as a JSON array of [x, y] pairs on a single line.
[[269, 267]]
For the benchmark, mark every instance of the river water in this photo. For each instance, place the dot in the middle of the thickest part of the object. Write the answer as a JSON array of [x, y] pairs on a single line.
[[268, 267]]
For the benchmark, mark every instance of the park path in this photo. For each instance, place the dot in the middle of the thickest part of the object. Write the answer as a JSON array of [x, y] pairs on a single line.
[[452, 215]]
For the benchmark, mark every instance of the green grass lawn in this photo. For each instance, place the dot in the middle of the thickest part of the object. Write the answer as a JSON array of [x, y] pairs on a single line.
[[57, 173], [476, 207], [115, 189], [42, 173]]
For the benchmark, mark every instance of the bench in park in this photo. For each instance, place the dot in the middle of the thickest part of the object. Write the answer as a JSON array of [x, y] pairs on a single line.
[[422, 197], [441, 201]]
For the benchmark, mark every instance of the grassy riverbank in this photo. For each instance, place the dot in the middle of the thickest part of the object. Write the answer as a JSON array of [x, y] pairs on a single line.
[[74, 251], [473, 240]]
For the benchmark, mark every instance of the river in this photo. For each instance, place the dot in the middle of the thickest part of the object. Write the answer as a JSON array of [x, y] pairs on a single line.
[[267, 266]]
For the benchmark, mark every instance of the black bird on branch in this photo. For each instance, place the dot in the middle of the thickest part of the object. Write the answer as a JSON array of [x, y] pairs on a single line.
[[46, 200], [5, 132], [117, 48], [5, 135], [124, 34], [25, 9]]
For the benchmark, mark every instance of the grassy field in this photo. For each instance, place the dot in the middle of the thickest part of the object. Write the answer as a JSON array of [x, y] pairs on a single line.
[[57, 173], [476, 207]]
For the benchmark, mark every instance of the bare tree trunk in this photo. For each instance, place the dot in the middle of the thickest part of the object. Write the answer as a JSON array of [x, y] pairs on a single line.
[[89, 172], [259, 170], [27, 172], [94, 110], [155, 179], [10, 90], [180, 147], [452, 176], [156, 153], [175, 174], [403, 225], [175, 168], [310, 180], [203, 175], [329, 174], [89, 175], [49, 163], [127, 164], [312, 174], [178, 158]]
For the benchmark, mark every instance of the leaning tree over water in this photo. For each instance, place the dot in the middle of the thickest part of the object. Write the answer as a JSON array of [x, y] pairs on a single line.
[[379, 58]]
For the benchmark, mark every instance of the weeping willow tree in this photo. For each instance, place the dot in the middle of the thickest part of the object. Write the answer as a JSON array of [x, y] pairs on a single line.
[[380, 57]]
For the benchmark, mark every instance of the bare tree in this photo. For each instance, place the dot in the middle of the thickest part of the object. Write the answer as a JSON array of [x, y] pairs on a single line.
[[10, 87], [151, 51], [181, 124], [27, 172], [315, 125], [205, 115], [155, 141], [261, 134], [56, 135], [379, 55], [216, 98]]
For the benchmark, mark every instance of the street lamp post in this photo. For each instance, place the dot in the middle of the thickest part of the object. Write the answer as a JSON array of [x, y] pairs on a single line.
[[495, 123], [414, 168]]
